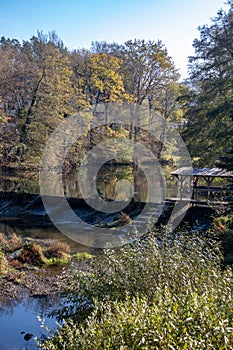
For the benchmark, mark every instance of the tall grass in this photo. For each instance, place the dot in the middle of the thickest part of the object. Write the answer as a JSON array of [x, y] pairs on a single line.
[[169, 294]]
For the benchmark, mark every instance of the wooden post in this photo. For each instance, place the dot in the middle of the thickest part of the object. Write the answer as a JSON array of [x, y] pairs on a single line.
[[208, 181], [195, 182]]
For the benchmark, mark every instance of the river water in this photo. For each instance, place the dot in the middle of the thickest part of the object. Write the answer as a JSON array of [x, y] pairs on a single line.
[[17, 318]]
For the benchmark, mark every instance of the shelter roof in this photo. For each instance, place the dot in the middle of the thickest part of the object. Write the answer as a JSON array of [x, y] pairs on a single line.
[[211, 172]]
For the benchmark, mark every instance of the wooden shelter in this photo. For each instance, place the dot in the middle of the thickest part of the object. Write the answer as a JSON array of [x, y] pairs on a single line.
[[188, 176]]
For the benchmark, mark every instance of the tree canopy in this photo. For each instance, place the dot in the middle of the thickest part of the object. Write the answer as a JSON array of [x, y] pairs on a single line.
[[209, 129], [42, 82]]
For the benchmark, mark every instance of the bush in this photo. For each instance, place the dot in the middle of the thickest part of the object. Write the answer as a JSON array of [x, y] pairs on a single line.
[[31, 255], [169, 322], [223, 226], [3, 262], [14, 243], [226, 221], [152, 295], [58, 250], [2, 238]]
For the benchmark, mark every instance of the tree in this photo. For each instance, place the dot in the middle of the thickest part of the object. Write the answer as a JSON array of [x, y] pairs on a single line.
[[13, 67], [36, 87], [226, 160], [209, 126], [41, 83], [147, 69], [51, 89]]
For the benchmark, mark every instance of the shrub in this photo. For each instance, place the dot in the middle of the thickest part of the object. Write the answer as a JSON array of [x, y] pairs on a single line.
[[58, 250], [169, 294], [223, 226], [31, 255], [3, 262], [226, 221], [169, 322], [2, 238], [14, 243]]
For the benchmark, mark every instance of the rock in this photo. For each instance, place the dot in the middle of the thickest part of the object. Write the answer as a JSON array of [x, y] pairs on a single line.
[[28, 336], [39, 296]]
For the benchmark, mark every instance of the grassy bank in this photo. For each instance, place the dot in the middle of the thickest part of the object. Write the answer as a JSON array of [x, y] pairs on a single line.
[[156, 294], [32, 266]]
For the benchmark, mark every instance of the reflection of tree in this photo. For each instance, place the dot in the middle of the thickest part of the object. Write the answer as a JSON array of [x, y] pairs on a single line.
[[6, 228], [108, 177], [7, 306], [40, 306]]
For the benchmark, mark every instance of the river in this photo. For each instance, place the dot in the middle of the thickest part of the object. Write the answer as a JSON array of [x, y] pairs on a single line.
[[19, 318]]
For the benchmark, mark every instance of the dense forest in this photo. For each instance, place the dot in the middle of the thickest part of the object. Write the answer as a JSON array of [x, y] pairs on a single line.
[[43, 82]]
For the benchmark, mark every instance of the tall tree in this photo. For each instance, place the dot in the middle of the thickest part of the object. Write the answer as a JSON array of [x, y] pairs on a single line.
[[147, 69], [209, 126], [51, 89], [13, 66]]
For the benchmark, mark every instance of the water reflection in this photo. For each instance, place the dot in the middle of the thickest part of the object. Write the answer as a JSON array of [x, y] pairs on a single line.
[[112, 181], [19, 181], [43, 232], [21, 317]]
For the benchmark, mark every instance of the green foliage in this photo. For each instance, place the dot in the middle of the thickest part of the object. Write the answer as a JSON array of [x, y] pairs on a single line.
[[226, 162], [155, 294], [209, 130], [3, 262], [42, 83], [223, 226], [83, 256], [58, 261]]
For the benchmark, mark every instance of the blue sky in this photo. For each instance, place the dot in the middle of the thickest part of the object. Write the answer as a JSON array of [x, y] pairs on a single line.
[[79, 22]]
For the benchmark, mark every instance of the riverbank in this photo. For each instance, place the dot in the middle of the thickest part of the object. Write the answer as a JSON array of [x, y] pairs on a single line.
[[36, 267], [33, 282]]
